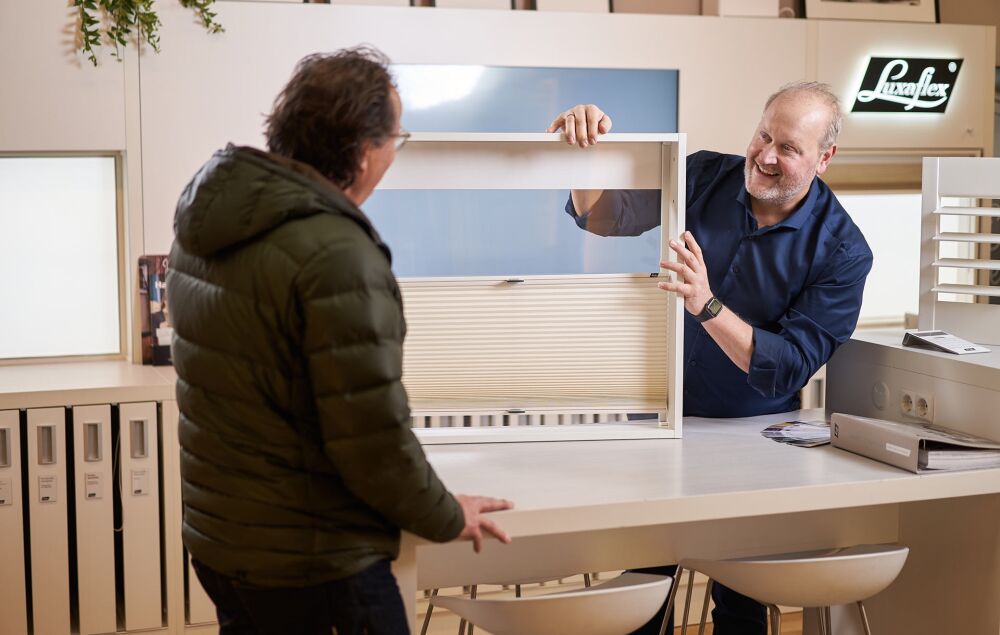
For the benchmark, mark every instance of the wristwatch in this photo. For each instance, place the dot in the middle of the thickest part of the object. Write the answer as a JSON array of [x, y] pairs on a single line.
[[712, 308]]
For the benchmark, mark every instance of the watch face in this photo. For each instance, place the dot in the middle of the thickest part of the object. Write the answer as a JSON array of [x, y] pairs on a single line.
[[714, 306]]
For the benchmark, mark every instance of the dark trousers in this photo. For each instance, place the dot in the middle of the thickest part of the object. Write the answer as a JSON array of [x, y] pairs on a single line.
[[367, 603], [734, 614]]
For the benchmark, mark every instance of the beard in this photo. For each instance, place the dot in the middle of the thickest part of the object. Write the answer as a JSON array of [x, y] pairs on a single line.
[[784, 191]]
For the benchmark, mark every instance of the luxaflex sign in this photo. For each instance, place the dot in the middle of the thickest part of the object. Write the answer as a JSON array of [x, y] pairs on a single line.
[[913, 84]]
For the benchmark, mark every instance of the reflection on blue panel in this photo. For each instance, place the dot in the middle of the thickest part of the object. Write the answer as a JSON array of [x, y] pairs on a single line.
[[452, 98], [513, 232], [499, 233]]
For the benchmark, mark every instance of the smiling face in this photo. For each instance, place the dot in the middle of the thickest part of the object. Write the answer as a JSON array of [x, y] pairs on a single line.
[[785, 152]]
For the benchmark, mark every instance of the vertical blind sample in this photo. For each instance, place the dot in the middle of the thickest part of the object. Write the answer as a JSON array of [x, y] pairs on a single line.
[[59, 278], [514, 232]]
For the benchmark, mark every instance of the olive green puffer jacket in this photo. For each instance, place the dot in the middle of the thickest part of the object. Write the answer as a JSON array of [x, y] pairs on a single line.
[[297, 461]]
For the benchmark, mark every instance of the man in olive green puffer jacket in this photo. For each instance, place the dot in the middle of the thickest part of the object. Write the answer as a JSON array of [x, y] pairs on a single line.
[[298, 465]]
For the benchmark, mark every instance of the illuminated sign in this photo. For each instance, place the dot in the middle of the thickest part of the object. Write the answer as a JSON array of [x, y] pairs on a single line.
[[893, 84]]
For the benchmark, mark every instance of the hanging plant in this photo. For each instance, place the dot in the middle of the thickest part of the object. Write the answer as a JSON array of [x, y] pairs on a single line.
[[120, 18]]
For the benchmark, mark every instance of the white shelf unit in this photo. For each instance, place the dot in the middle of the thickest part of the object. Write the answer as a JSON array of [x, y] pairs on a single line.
[[959, 177], [516, 348]]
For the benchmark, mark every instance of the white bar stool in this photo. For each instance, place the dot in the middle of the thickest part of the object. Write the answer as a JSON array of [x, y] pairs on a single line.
[[615, 607], [808, 579], [517, 584]]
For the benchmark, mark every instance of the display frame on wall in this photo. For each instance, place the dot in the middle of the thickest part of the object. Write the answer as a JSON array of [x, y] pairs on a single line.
[[895, 11]]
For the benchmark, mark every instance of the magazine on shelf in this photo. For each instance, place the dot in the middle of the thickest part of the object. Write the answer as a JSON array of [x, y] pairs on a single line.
[[155, 324], [917, 447]]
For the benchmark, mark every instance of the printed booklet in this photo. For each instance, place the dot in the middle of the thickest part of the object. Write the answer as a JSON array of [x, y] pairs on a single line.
[[155, 324]]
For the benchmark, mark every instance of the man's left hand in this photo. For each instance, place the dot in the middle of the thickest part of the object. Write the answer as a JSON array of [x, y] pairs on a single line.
[[691, 274]]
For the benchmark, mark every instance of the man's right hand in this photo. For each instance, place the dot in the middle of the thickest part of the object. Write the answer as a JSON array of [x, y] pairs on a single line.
[[476, 523], [582, 124]]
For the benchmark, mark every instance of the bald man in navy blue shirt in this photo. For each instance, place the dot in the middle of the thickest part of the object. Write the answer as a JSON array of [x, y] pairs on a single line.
[[771, 269]]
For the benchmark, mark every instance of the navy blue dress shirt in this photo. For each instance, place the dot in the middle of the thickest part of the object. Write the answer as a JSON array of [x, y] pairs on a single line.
[[797, 283]]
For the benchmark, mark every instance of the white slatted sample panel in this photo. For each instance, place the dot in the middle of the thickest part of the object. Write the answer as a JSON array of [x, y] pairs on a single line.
[[580, 342], [955, 244]]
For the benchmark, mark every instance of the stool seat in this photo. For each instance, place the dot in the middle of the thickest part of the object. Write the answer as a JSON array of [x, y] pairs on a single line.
[[810, 578], [615, 607]]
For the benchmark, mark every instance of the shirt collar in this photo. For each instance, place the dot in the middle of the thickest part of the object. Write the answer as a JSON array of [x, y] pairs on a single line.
[[797, 218]]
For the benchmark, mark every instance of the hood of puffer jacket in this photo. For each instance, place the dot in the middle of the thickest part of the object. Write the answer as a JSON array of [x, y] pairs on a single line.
[[242, 192]]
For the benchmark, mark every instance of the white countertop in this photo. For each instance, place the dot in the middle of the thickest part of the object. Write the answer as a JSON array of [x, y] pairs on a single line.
[[722, 468], [77, 383]]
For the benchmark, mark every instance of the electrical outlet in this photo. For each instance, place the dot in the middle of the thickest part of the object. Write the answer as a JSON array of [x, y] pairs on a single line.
[[923, 407], [906, 403], [916, 405]]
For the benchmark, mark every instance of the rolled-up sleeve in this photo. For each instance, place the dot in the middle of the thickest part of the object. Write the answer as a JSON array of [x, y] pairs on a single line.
[[822, 318], [620, 213]]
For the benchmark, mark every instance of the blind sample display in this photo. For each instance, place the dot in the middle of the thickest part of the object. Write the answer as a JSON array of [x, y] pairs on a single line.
[[59, 277], [514, 232]]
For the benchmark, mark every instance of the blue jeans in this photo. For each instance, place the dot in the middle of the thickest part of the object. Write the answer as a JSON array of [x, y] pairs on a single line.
[[367, 603], [734, 614]]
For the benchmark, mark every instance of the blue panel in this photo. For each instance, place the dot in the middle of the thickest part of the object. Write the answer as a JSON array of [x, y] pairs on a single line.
[[450, 98], [514, 232], [499, 233]]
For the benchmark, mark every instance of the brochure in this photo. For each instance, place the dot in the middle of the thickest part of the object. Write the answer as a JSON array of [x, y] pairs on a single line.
[[942, 341], [917, 447], [156, 329], [804, 434]]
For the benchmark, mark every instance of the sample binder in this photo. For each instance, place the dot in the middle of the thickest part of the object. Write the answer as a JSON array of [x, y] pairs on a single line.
[[95, 529], [13, 593], [140, 498], [47, 509], [912, 446]]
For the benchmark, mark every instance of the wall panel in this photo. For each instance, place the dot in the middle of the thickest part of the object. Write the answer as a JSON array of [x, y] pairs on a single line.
[[53, 98]]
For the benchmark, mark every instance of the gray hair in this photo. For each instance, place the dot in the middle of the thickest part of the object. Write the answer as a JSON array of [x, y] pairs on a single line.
[[823, 93]]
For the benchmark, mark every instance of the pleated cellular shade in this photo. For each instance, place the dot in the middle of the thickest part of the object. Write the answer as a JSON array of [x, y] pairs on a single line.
[[537, 343]]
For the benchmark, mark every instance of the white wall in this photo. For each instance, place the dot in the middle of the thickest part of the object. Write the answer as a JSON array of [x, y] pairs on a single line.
[[51, 98], [205, 90], [228, 82]]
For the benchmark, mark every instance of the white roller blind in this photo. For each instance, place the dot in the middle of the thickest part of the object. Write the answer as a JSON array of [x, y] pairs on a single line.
[[59, 274]]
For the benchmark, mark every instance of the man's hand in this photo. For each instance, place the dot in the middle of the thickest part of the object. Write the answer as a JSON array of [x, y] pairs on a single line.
[[692, 275], [582, 124], [475, 523]]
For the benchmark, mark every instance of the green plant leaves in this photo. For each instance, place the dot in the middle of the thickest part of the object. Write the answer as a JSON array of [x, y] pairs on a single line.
[[122, 21]]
